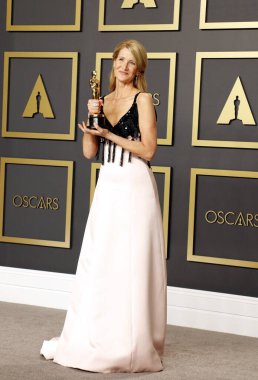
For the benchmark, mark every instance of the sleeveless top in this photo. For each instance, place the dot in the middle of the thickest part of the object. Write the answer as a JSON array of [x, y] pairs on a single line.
[[127, 127]]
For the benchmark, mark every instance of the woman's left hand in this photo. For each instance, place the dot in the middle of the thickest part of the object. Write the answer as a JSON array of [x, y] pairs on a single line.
[[101, 132]]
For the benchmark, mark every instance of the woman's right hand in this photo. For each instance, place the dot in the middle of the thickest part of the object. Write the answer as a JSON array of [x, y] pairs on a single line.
[[94, 106]]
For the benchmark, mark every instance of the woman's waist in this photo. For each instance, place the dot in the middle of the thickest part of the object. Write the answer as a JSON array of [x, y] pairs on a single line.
[[116, 155], [132, 176], [123, 167]]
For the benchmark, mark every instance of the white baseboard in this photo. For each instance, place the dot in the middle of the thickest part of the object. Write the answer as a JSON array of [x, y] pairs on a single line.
[[186, 307], [212, 311]]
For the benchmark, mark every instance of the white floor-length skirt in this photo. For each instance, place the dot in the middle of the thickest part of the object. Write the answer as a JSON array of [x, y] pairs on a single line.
[[116, 320]]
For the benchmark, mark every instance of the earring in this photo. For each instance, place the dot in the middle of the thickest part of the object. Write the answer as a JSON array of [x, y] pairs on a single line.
[[136, 79]]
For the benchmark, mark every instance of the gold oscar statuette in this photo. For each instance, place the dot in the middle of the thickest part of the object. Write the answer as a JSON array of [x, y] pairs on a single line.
[[98, 118]]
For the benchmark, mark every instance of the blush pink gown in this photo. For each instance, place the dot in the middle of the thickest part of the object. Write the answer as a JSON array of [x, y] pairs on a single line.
[[116, 320]]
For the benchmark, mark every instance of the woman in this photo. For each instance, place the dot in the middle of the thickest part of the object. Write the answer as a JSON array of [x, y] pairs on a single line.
[[117, 317]]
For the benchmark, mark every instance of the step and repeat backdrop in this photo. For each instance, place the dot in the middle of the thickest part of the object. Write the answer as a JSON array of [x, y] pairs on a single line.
[[203, 77]]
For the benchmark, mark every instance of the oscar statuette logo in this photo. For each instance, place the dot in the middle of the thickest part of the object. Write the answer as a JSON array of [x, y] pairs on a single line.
[[131, 3], [98, 118], [237, 109], [39, 103], [225, 100]]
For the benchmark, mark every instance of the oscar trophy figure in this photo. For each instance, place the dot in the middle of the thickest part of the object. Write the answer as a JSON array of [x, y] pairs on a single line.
[[98, 118]]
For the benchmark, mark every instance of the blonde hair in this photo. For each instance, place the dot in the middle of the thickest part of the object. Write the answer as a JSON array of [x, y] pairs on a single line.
[[140, 56]]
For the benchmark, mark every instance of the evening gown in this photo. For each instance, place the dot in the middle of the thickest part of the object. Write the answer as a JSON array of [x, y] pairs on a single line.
[[116, 319]]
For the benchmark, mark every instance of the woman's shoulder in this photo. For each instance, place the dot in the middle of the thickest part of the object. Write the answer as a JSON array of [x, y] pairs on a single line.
[[144, 98], [145, 104]]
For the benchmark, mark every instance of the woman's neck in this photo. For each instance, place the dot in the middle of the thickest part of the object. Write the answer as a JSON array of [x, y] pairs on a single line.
[[124, 90]]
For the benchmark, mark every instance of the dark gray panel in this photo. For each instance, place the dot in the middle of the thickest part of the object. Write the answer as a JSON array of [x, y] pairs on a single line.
[[220, 239], [43, 12], [232, 10], [218, 79], [44, 221], [57, 75]]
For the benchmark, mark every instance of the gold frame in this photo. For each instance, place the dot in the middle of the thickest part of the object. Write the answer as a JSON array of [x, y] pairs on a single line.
[[191, 256], [168, 140], [166, 170], [29, 161], [43, 28], [223, 25], [34, 135], [137, 27], [197, 92]]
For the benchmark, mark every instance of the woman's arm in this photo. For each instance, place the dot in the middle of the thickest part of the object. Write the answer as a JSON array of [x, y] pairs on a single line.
[[90, 143], [145, 148]]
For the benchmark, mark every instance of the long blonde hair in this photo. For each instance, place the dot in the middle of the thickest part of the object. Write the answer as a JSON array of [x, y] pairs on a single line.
[[140, 56]]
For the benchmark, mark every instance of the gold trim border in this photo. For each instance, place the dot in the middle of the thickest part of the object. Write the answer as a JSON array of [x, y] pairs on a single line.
[[196, 106], [34, 135], [138, 27], [223, 25], [43, 28], [29, 161], [191, 256], [166, 170], [168, 140]]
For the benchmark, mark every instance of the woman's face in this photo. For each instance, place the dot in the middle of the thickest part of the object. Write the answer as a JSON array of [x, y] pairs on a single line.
[[125, 68]]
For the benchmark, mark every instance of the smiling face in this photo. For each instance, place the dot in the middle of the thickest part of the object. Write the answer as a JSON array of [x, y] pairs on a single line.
[[129, 60], [125, 68]]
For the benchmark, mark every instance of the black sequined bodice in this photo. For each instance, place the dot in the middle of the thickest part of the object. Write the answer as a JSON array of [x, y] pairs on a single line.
[[127, 127]]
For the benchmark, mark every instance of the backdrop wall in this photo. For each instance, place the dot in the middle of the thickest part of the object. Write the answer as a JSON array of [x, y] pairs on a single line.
[[211, 215]]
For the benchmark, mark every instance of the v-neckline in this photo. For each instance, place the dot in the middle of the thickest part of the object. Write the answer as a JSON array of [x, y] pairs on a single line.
[[113, 126]]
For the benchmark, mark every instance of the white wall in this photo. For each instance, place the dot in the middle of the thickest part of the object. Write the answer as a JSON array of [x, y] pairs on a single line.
[[186, 307]]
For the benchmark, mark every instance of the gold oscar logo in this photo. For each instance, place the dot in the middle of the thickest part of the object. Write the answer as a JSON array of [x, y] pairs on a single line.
[[131, 3], [34, 201], [232, 218], [39, 102], [237, 107]]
